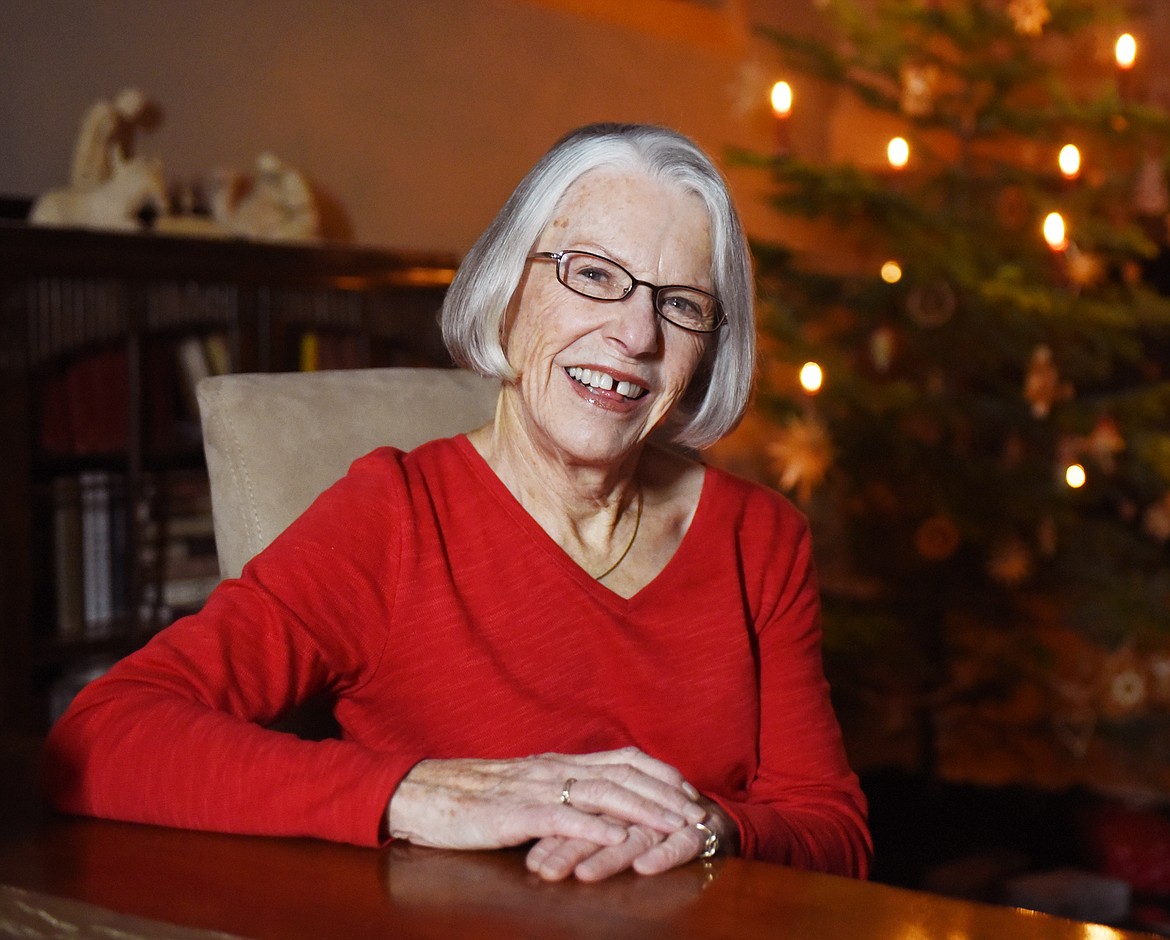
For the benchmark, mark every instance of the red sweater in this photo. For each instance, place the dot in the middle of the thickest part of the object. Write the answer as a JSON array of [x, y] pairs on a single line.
[[447, 623]]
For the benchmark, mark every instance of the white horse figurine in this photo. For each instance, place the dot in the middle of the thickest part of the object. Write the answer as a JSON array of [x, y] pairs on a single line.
[[131, 198]]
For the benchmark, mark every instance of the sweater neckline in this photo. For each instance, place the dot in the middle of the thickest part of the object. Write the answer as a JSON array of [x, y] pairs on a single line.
[[540, 538]]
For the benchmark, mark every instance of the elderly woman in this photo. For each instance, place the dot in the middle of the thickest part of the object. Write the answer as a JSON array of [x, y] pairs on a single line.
[[557, 629]]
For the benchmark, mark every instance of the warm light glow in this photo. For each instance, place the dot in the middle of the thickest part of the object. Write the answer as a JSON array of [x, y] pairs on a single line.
[[782, 99], [811, 377], [1054, 232], [1074, 476], [898, 152], [1126, 51], [891, 272], [1100, 932], [1069, 160]]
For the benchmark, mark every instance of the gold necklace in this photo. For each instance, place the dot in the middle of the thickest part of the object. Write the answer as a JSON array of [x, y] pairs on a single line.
[[633, 538]]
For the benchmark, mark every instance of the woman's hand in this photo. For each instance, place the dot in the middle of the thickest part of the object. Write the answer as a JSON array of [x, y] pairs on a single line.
[[645, 850], [484, 804]]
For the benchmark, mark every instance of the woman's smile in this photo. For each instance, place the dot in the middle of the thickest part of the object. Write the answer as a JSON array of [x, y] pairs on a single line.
[[605, 386]]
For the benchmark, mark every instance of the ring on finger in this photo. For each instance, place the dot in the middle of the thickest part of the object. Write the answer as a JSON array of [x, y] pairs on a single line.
[[565, 791], [711, 846]]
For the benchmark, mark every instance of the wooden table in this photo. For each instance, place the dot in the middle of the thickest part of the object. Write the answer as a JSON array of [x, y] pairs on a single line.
[[293, 888]]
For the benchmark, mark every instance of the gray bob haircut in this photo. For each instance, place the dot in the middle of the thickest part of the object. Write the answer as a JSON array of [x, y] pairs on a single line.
[[478, 298]]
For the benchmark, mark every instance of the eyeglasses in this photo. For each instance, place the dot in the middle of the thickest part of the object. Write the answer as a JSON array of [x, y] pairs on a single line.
[[599, 278]]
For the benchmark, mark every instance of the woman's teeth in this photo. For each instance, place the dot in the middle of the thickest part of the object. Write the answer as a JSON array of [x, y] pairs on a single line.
[[603, 380]]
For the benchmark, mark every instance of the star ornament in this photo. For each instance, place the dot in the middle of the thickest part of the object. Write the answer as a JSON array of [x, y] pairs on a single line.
[[1010, 563], [1029, 16], [801, 454]]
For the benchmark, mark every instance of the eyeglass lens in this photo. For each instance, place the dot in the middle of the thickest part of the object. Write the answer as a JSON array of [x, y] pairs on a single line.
[[602, 279]]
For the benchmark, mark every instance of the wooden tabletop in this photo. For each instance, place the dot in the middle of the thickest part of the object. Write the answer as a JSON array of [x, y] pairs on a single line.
[[293, 888]]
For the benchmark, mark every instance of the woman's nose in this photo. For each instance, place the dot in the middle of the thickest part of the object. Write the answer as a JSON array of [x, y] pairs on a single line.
[[635, 323]]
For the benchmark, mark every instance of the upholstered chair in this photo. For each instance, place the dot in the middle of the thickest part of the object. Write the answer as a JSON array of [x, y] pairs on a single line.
[[275, 441]]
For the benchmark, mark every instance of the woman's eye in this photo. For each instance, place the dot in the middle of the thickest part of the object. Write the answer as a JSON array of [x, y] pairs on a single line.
[[681, 306], [595, 274]]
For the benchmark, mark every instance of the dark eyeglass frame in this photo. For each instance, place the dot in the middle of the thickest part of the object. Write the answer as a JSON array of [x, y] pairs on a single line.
[[655, 289]]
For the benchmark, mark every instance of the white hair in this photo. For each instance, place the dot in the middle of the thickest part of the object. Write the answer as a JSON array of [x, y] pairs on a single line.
[[475, 305]]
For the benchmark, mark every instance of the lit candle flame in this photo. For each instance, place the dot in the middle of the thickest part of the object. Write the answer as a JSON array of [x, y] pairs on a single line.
[[1054, 232], [1125, 51], [782, 99], [891, 272], [1069, 161], [898, 152], [811, 377], [1074, 476]]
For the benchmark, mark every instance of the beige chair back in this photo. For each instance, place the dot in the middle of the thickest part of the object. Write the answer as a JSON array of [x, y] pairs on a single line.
[[275, 441]]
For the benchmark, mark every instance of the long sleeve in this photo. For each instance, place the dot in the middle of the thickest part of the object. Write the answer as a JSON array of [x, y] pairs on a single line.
[[804, 807], [766, 744], [173, 734]]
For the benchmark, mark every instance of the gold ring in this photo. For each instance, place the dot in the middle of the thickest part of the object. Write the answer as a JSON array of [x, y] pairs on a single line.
[[565, 791]]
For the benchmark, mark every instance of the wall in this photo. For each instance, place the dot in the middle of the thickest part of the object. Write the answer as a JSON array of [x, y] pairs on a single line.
[[414, 119]]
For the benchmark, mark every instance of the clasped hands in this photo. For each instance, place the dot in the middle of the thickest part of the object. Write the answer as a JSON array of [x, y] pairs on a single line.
[[627, 810]]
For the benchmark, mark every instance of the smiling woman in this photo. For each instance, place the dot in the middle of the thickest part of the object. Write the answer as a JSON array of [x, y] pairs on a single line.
[[557, 630]]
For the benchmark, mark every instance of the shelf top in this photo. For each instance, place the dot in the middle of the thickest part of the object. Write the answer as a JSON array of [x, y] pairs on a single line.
[[31, 249]]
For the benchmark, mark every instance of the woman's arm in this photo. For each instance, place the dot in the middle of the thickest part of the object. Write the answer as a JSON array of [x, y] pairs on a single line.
[[174, 733], [805, 806]]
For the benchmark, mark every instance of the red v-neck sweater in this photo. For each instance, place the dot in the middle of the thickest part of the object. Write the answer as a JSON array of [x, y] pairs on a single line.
[[447, 623]]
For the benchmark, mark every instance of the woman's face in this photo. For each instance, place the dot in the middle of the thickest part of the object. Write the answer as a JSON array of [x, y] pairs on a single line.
[[659, 234]]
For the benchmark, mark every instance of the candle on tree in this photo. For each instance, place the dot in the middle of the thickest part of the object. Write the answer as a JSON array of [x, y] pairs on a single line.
[[1125, 51], [898, 152], [1054, 231], [782, 109]]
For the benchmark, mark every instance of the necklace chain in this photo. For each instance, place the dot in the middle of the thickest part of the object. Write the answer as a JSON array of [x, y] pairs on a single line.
[[633, 538]]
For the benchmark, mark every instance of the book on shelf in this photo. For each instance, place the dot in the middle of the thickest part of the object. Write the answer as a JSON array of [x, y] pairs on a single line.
[[85, 407], [177, 550], [68, 560], [321, 350], [90, 538], [175, 567], [201, 355]]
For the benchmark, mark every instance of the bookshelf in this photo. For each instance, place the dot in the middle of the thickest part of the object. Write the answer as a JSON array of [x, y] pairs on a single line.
[[103, 494]]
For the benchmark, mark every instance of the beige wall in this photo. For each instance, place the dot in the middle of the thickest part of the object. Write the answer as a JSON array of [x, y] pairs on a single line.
[[416, 117]]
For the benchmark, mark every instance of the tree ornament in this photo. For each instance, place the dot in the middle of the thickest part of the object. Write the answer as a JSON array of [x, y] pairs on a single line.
[[1010, 563], [1084, 270], [937, 539], [1131, 272], [1029, 16], [1151, 195], [1158, 667], [1124, 688], [1075, 727], [1104, 443], [931, 304], [1156, 520], [802, 454], [1042, 385], [881, 348], [919, 83]]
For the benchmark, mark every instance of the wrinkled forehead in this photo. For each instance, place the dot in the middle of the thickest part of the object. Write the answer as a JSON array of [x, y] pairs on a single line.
[[608, 200]]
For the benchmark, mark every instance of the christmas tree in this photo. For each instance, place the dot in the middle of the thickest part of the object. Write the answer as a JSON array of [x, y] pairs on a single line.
[[981, 437]]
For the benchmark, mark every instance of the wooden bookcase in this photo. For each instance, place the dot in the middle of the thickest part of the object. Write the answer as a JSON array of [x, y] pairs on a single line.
[[101, 465]]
